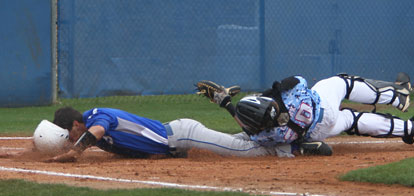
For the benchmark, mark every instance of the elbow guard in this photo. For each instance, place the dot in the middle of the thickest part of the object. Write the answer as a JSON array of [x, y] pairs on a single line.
[[86, 140]]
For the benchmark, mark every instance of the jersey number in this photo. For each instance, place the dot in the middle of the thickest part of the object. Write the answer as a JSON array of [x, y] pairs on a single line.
[[304, 113]]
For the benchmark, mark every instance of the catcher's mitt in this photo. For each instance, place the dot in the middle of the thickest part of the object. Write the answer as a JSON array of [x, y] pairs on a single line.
[[215, 92]]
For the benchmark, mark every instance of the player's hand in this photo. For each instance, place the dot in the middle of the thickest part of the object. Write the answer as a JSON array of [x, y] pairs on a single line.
[[70, 156], [4, 155], [60, 160], [54, 159], [10, 154]]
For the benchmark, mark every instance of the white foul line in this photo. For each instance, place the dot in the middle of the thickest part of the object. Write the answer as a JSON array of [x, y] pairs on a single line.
[[16, 138], [165, 184], [350, 142], [365, 142]]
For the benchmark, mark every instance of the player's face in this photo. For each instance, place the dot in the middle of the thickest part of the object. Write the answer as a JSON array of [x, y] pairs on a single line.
[[77, 130]]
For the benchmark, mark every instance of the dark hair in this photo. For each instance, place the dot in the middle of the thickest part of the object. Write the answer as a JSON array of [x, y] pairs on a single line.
[[65, 116]]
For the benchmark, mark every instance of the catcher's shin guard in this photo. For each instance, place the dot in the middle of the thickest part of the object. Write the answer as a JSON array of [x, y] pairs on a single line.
[[315, 148], [407, 136], [354, 128], [401, 88]]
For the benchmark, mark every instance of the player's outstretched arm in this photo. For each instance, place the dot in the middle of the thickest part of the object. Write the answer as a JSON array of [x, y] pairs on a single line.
[[86, 140], [70, 156]]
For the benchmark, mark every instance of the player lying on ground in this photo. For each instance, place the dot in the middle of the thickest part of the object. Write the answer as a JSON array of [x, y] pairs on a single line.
[[290, 112], [130, 135]]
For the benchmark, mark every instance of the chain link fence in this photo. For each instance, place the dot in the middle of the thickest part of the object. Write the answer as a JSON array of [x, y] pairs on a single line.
[[155, 47]]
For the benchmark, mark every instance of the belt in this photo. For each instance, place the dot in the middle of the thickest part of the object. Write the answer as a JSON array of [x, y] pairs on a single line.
[[168, 129], [172, 149], [320, 115]]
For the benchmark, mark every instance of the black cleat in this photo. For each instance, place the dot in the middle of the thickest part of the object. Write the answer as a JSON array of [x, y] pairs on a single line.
[[408, 138], [403, 80], [315, 148]]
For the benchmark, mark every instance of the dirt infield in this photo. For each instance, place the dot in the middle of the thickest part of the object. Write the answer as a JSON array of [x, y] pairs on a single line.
[[263, 175]]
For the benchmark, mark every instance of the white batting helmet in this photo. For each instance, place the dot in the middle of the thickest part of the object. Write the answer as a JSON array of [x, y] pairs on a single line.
[[49, 138]]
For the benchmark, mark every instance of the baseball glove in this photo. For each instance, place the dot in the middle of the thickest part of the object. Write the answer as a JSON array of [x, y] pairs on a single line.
[[216, 93]]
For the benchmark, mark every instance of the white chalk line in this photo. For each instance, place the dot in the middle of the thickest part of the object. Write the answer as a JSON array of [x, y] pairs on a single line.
[[348, 142], [16, 138], [365, 142], [93, 149], [164, 184]]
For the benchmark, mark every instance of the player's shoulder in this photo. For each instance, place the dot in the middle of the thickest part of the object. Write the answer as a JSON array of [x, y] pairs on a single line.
[[301, 79], [100, 112]]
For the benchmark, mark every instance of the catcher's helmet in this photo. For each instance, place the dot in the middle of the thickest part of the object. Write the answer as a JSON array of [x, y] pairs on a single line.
[[49, 138], [257, 113]]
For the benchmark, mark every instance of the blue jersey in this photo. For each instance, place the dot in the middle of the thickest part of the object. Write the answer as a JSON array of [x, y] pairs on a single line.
[[126, 133], [304, 110]]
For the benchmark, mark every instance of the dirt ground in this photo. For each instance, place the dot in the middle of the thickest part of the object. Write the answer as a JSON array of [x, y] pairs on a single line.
[[313, 175]]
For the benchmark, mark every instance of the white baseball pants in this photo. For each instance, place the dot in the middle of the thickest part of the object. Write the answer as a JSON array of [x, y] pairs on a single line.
[[332, 91], [188, 133]]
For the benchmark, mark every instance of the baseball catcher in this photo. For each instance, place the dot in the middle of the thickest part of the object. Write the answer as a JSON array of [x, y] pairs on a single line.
[[253, 114], [290, 112]]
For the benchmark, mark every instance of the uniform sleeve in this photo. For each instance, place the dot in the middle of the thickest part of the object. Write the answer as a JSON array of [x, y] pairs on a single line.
[[275, 136], [97, 117]]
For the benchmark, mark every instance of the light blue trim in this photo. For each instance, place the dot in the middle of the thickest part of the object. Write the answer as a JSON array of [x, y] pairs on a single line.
[[216, 144]]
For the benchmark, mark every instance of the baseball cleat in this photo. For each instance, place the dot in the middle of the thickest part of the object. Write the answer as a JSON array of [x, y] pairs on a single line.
[[408, 138], [315, 148], [404, 80], [403, 94]]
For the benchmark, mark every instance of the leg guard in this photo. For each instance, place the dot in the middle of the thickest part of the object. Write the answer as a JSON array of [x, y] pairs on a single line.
[[404, 132], [354, 128], [355, 131], [401, 89]]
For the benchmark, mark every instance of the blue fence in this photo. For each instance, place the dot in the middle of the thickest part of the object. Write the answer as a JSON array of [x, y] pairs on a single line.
[[25, 53], [145, 47], [372, 38], [164, 46]]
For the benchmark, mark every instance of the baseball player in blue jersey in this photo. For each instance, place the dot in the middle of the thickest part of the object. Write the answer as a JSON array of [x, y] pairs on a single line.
[[290, 112], [130, 135]]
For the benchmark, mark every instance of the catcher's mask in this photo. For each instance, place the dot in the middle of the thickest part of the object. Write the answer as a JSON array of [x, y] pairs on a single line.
[[258, 113]]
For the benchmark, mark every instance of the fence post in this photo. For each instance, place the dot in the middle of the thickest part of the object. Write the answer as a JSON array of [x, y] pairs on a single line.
[[262, 43], [53, 21]]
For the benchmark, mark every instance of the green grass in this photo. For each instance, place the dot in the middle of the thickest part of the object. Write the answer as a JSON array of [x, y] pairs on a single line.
[[23, 121], [401, 172], [23, 188]]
